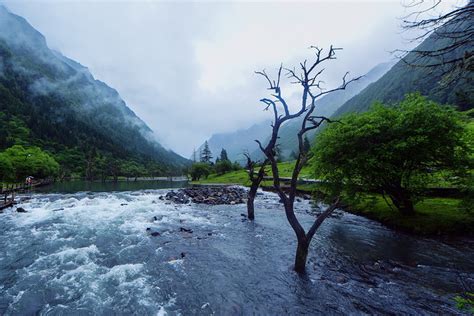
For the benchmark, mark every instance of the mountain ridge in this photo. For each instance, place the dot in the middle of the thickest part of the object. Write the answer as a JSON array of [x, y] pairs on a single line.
[[65, 107]]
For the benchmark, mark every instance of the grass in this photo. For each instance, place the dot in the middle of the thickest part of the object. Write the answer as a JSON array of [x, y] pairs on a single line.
[[241, 177], [286, 170], [235, 177], [433, 216]]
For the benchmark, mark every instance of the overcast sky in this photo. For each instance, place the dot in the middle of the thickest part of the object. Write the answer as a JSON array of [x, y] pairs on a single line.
[[187, 69]]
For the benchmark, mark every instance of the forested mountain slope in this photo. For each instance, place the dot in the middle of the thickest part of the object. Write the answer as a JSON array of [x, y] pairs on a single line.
[[409, 75], [53, 102]]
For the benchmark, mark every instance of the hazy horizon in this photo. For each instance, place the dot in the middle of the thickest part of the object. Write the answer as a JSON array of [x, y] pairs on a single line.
[[187, 68]]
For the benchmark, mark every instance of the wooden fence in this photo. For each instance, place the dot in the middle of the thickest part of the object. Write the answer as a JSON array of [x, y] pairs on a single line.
[[9, 191]]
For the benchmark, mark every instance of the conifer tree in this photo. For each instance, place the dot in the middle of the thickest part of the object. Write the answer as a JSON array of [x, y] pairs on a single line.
[[224, 155], [206, 154]]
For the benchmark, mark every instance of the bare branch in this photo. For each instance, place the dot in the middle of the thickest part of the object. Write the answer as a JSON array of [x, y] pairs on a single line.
[[321, 219], [260, 145], [308, 79], [453, 31]]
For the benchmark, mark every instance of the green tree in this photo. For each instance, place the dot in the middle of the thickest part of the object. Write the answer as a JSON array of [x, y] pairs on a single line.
[[101, 166], [7, 173], [71, 162], [13, 130], [393, 150], [31, 161], [236, 166], [223, 166], [155, 169], [199, 170], [206, 154], [224, 155], [113, 168], [90, 164], [132, 169]]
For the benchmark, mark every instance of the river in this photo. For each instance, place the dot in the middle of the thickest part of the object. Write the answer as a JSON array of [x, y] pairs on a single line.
[[89, 253]]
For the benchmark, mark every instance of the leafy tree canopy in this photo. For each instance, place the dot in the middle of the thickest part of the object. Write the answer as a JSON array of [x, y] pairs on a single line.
[[223, 166], [199, 170], [29, 161], [393, 150]]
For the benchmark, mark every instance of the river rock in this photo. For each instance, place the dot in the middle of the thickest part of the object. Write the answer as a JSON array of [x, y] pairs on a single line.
[[21, 210], [208, 195], [178, 197], [154, 234]]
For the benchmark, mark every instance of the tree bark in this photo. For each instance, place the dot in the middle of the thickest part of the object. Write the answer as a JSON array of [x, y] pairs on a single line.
[[406, 207], [403, 202], [308, 79], [250, 201], [301, 256], [256, 180]]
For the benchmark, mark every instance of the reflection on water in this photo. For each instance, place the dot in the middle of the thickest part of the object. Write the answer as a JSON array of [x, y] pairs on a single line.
[[91, 253], [109, 186]]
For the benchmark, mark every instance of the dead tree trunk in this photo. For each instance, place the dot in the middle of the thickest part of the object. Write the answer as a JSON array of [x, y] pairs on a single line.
[[308, 81], [255, 179]]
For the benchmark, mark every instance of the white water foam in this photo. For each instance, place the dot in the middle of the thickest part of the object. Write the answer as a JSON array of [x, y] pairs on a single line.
[[71, 260]]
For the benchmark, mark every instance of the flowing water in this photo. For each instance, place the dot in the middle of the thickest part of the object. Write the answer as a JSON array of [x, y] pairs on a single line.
[[90, 253]]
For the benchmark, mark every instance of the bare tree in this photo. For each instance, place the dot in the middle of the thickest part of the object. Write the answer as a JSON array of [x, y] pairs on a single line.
[[255, 179], [308, 79], [453, 32]]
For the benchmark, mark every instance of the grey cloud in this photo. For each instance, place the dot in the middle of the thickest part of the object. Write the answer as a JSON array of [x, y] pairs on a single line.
[[150, 52]]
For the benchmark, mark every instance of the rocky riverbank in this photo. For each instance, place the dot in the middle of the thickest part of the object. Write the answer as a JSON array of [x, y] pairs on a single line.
[[207, 195]]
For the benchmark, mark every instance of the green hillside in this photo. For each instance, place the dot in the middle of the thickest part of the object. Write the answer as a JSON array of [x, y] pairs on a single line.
[[436, 83], [54, 103]]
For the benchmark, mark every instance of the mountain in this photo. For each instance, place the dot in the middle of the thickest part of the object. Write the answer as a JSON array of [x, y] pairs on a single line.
[[435, 83], [242, 140], [238, 142], [53, 102]]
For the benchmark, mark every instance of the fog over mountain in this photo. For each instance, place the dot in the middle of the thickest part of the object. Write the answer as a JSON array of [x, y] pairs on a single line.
[[186, 69], [62, 107]]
